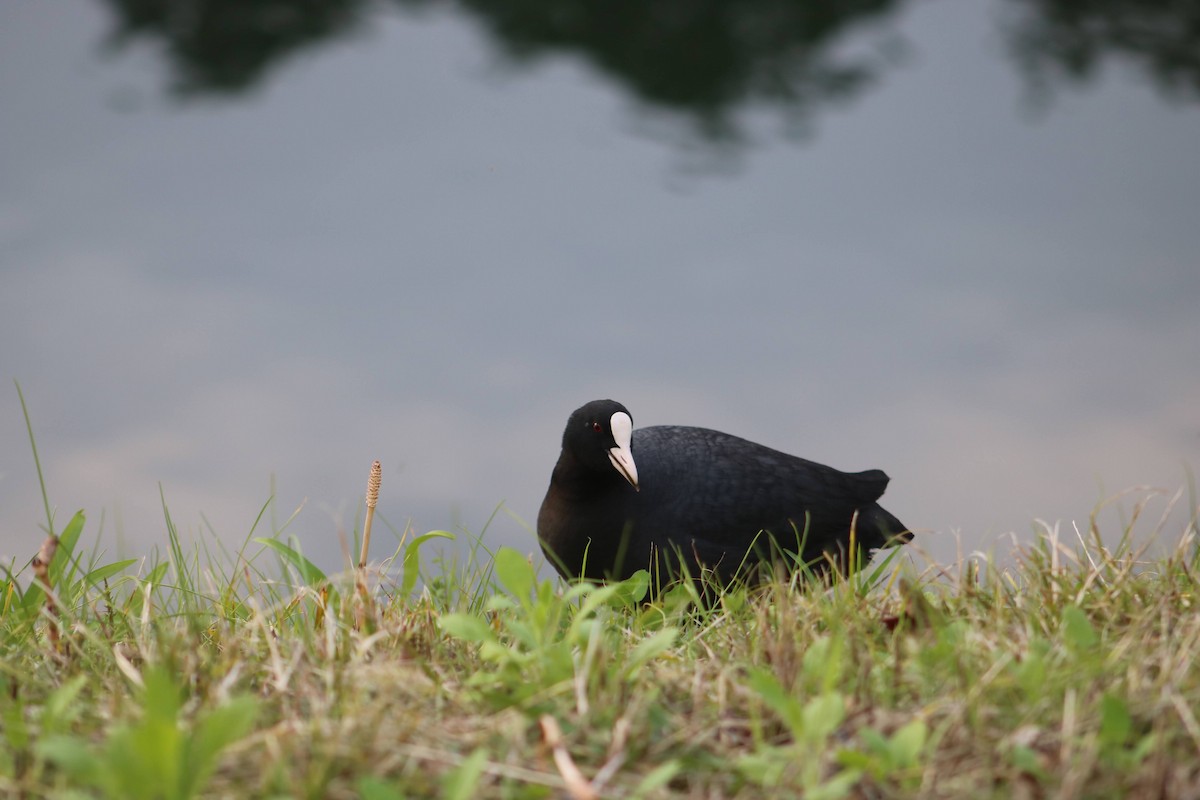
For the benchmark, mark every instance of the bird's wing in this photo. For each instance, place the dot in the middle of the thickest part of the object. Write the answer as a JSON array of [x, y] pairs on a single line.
[[719, 489]]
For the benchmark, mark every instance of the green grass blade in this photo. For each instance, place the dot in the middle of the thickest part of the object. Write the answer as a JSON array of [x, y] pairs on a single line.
[[37, 462], [309, 572]]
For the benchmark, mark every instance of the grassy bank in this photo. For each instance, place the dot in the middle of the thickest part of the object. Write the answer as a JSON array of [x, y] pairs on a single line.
[[1071, 672]]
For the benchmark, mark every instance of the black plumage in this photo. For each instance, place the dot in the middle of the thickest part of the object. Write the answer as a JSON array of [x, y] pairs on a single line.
[[669, 496]]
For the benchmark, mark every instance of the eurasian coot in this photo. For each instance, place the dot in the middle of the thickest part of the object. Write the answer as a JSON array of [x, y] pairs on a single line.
[[679, 500]]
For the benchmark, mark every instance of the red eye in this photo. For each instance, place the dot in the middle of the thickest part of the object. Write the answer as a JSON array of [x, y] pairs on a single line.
[[597, 427]]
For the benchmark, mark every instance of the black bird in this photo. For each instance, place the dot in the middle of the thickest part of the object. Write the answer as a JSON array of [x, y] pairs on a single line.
[[670, 497]]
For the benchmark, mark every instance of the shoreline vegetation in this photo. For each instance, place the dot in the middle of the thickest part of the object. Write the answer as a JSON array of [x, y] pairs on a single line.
[[1066, 670], [1070, 672]]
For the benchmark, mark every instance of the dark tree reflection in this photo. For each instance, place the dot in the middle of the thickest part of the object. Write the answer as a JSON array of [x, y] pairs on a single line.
[[227, 46], [1055, 39], [705, 59]]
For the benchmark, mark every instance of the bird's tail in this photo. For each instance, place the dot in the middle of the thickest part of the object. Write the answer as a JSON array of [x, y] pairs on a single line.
[[878, 528]]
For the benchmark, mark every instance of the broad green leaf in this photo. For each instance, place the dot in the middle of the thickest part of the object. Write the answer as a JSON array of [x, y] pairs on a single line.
[[462, 781], [1115, 722], [650, 648], [1026, 760], [15, 730], [593, 598], [875, 742], [61, 706], [515, 572], [734, 600], [1077, 630], [768, 687], [657, 778], [32, 600], [72, 754], [467, 627], [1144, 747], [412, 560], [1031, 671], [218, 729], [107, 571], [835, 788], [372, 788], [823, 661], [822, 715], [574, 591], [856, 759], [156, 574], [227, 723], [679, 597], [66, 547], [766, 766], [163, 698], [907, 743], [632, 590], [834, 663], [143, 761], [309, 573], [500, 602], [523, 632]]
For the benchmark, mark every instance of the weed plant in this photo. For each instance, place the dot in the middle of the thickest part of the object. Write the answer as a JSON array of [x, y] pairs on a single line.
[[1069, 672]]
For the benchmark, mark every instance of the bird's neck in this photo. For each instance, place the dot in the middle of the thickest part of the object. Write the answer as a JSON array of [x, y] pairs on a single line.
[[577, 481]]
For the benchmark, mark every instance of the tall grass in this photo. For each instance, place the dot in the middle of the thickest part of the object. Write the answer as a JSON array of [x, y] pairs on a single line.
[[1068, 670]]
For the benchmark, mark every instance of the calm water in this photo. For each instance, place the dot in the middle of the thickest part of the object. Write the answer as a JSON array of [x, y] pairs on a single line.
[[237, 256]]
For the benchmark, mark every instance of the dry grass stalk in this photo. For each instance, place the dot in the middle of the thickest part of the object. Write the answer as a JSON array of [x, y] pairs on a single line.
[[577, 785], [360, 579], [41, 571], [372, 499]]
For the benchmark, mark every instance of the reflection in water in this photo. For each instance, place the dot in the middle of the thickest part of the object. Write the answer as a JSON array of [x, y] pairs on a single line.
[[1004, 310], [706, 59], [1071, 39], [229, 45]]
